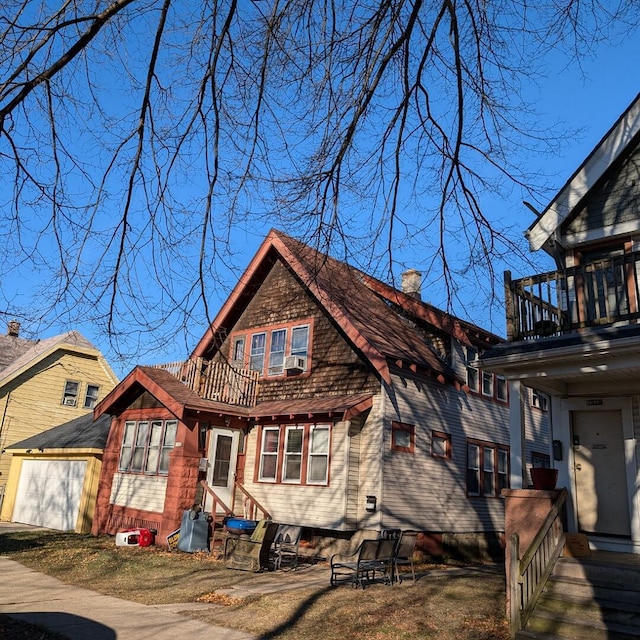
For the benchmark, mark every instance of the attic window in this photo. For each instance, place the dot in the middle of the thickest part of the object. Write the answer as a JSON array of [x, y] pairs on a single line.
[[91, 397], [70, 395]]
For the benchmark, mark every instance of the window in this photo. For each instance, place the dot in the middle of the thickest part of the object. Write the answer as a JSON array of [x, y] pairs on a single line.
[[402, 437], [146, 446], [91, 397], [237, 355], [299, 341], [268, 349], [540, 460], [269, 454], [70, 395], [539, 400], [256, 358], [487, 384], [501, 389], [440, 444], [276, 352], [318, 464], [487, 469], [472, 372], [295, 454]]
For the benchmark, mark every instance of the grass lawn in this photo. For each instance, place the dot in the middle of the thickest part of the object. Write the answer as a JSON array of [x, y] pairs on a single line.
[[446, 607]]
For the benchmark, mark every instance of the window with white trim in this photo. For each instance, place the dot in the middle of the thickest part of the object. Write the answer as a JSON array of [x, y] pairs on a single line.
[[256, 357], [472, 373], [70, 394], [146, 445], [91, 397], [502, 389], [295, 454], [487, 384], [539, 400], [277, 350], [487, 468]]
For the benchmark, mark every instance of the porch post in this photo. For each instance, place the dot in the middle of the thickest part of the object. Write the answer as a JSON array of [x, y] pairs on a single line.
[[517, 436]]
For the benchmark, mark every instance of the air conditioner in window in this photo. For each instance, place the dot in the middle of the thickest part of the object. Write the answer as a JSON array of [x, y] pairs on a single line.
[[69, 402], [295, 364]]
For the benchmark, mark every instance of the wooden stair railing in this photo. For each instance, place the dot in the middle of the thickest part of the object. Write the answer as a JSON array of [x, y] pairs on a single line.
[[251, 508], [528, 577]]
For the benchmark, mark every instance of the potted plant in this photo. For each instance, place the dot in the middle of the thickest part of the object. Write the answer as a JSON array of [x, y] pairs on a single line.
[[544, 478]]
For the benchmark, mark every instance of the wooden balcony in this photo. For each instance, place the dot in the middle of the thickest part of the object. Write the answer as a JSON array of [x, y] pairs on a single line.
[[217, 381], [596, 294]]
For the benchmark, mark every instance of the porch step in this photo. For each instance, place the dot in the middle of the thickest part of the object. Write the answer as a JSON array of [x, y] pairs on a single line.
[[588, 599]]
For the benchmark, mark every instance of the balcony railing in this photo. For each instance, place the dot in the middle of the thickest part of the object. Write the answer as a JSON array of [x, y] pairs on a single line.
[[596, 294], [216, 380]]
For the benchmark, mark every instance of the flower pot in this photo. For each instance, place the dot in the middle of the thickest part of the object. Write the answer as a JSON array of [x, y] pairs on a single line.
[[544, 479]]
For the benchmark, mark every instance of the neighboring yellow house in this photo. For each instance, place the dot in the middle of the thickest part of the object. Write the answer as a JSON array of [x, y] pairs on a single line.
[[44, 383]]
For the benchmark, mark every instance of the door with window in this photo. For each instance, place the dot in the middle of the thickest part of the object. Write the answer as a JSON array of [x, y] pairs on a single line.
[[223, 455], [602, 501]]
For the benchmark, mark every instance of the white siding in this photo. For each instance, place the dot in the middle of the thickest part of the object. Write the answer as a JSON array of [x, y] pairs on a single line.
[[429, 494], [313, 506], [146, 493]]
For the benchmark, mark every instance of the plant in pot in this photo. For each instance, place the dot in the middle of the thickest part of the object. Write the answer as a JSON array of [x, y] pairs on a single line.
[[544, 478]]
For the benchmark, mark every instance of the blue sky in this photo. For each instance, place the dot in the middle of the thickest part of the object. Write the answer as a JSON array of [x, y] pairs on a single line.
[[588, 98]]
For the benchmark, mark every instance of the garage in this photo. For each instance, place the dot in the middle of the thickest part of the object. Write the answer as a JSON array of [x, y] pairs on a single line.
[[49, 493]]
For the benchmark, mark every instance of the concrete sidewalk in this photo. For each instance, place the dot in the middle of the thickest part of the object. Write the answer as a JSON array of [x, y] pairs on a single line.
[[81, 614]]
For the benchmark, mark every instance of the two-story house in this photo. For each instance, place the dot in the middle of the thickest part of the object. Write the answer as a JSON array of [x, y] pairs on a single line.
[[573, 333], [324, 398], [43, 383]]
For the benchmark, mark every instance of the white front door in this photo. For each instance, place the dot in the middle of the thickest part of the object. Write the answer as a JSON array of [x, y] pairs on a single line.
[[602, 500], [223, 454]]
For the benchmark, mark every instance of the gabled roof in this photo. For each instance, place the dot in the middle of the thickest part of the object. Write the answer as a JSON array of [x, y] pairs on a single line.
[[11, 348], [40, 349], [606, 152], [376, 318], [80, 433]]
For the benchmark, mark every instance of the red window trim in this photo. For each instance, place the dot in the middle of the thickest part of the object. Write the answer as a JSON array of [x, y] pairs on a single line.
[[267, 330], [282, 431], [496, 447], [443, 436], [408, 428]]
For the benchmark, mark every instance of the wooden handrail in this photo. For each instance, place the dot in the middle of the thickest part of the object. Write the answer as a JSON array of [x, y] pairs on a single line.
[[216, 500], [528, 577], [254, 505]]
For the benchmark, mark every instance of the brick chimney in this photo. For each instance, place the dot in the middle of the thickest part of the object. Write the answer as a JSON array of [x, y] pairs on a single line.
[[13, 328], [412, 283]]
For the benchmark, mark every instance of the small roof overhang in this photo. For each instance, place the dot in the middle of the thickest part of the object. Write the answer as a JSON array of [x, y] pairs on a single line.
[[587, 362]]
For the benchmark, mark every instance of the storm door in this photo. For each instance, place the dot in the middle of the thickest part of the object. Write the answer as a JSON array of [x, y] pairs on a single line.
[[223, 454]]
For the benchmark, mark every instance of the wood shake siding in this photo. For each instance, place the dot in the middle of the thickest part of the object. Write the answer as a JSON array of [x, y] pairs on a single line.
[[427, 493], [146, 493], [335, 368]]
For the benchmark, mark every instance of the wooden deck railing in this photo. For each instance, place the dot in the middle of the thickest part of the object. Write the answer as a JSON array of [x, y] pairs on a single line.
[[528, 577], [216, 380], [595, 294]]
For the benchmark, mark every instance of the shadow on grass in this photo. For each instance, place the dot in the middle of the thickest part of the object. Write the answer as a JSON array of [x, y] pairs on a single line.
[[297, 615], [13, 542]]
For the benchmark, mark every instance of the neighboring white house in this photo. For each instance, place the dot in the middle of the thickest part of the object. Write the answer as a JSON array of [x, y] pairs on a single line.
[[574, 334]]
